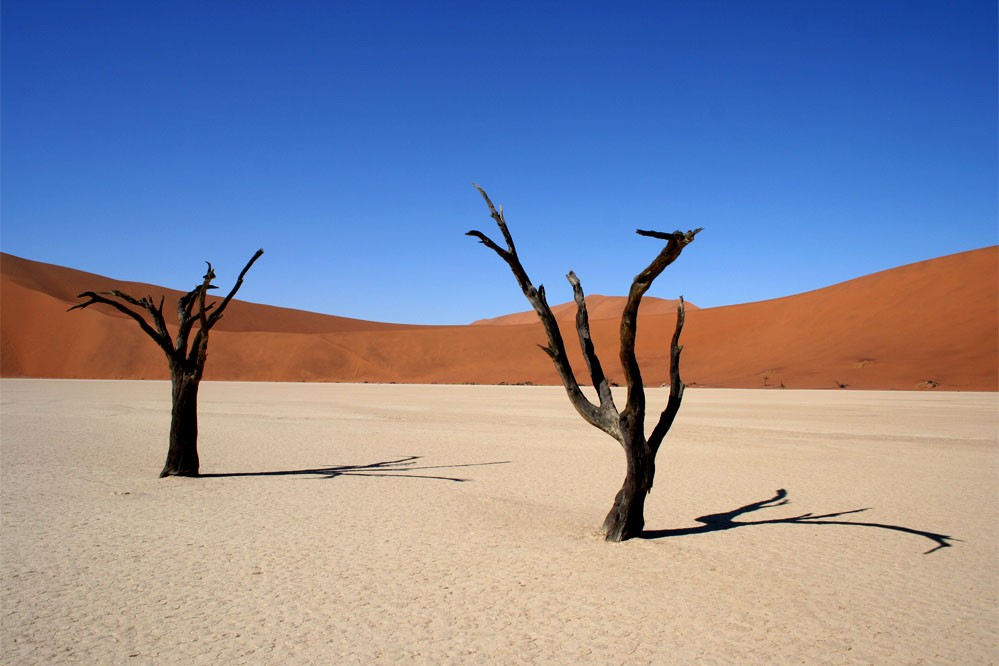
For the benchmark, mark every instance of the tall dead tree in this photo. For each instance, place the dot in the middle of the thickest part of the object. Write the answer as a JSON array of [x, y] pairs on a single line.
[[185, 357], [627, 516]]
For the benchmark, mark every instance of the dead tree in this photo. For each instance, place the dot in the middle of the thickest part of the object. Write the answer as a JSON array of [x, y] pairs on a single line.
[[627, 516], [187, 363]]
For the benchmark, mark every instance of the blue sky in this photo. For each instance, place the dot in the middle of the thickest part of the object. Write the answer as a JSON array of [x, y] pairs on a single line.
[[815, 141]]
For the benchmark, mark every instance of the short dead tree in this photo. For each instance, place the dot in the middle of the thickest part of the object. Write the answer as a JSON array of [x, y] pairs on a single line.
[[185, 357], [627, 516]]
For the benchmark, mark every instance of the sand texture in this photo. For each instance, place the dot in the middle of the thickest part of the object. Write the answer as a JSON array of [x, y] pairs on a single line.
[[930, 325], [380, 524]]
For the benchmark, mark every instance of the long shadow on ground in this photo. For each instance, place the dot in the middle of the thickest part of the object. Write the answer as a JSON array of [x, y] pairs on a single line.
[[717, 522], [388, 469]]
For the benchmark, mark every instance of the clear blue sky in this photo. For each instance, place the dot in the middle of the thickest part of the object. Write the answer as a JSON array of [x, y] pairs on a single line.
[[815, 141]]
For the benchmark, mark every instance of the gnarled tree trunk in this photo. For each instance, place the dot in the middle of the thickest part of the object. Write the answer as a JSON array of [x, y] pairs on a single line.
[[182, 455], [626, 519], [627, 516]]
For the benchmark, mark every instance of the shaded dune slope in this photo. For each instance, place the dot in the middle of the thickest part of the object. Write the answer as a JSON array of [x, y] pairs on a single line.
[[931, 323]]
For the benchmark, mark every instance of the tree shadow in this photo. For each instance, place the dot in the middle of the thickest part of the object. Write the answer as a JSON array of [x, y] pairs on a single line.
[[389, 469], [717, 522]]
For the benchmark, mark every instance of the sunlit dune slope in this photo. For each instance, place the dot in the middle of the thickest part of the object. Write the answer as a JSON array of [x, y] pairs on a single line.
[[933, 322], [929, 324]]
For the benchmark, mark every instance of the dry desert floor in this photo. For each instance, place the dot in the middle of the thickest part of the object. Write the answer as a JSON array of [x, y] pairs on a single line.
[[376, 524]]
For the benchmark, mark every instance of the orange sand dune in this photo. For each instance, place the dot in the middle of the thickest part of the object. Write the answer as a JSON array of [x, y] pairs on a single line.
[[933, 323], [597, 307]]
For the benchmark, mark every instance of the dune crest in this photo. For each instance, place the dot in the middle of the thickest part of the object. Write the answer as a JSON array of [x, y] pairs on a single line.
[[597, 307], [929, 325]]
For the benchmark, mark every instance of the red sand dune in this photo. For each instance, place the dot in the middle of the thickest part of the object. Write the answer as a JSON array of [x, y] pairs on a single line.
[[931, 323]]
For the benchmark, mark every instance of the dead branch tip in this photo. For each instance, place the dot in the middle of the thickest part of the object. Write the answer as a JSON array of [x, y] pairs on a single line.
[[679, 236]]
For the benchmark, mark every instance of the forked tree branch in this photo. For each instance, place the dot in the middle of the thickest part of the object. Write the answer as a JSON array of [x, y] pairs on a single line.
[[177, 352], [556, 346], [500, 220], [163, 341], [146, 304], [676, 241], [199, 349], [185, 309], [157, 315]]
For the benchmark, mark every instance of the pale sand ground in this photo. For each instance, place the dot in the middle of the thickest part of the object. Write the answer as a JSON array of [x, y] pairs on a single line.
[[103, 563]]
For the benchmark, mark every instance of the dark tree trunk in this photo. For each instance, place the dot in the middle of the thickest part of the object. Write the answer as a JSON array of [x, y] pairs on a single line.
[[182, 456], [626, 518]]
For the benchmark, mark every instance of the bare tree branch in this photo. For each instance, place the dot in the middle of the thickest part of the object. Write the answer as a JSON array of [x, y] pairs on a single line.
[[162, 341], [125, 297], [600, 382], [488, 242], [239, 283], [536, 297], [199, 348], [185, 311], [676, 385], [156, 312], [629, 317], [500, 220], [676, 235]]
